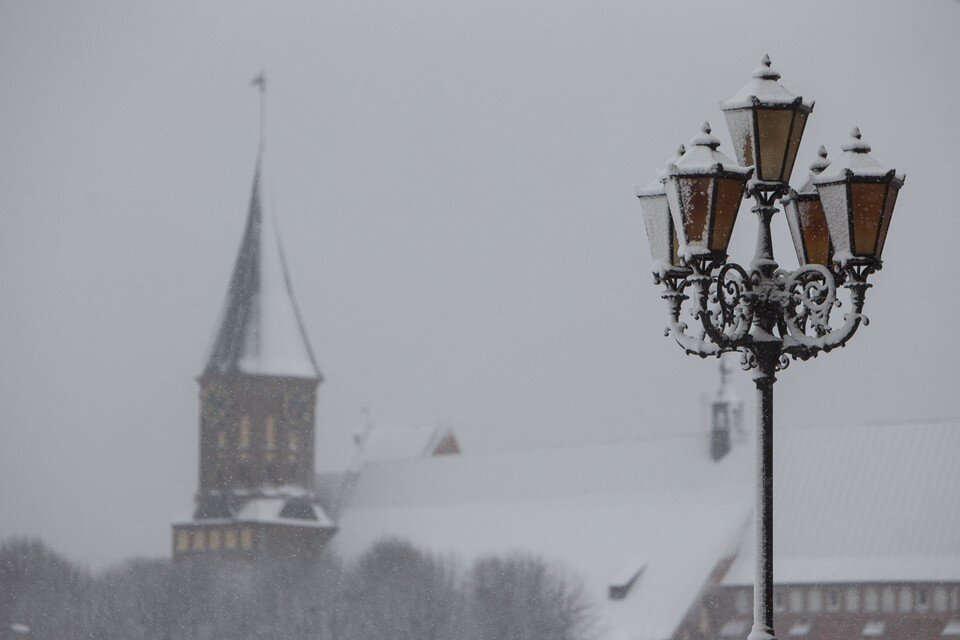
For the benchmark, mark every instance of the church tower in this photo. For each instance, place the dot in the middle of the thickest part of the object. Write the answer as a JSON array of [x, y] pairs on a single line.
[[258, 395]]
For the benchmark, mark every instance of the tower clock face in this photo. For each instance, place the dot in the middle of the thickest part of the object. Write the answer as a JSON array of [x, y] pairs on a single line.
[[297, 407], [213, 406]]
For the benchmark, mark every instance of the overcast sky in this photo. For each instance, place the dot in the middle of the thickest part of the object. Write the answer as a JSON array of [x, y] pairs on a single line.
[[454, 183]]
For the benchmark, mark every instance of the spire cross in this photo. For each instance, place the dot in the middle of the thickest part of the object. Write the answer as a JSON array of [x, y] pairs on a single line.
[[261, 83]]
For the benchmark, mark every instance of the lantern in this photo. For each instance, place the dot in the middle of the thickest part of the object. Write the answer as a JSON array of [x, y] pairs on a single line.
[[661, 233], [807, 222], [704, 189], [858, 196], [766, 123]]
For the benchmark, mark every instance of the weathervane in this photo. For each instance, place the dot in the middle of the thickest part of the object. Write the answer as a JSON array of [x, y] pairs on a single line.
[[260, 81]]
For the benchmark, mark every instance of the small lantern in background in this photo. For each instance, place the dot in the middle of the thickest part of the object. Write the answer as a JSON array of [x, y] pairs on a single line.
[[807, 222], [766, 124], [661, 232], [704, 189], [858, 196]]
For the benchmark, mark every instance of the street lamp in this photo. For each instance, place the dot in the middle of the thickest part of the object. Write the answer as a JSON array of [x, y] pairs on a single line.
[[838, 221]]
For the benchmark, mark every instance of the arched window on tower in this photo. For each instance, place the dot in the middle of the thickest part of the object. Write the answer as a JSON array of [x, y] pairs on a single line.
[[243, 441], [270, 433]]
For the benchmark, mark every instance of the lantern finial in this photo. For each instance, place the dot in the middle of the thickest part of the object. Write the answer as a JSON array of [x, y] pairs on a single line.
[[706, 138], [765, 71], [821, 163], [856, 144]]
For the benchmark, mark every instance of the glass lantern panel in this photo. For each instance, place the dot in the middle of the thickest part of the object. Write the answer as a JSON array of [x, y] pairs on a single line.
[[892, 193], [675, 244], [773, 126], [833, 199], [799, 123], [740, 124], [816, 238], [656, 219], [696, 198], [867, 203], [729, 195], [790, 209]]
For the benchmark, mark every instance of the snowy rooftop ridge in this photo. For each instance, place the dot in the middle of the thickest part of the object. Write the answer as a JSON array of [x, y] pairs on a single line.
[[260, 331]]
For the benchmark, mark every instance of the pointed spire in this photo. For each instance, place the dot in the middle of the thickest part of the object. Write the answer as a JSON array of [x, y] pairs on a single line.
[[261, 332]]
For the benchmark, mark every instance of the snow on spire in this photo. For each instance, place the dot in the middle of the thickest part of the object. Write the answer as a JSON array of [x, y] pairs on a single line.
[[261, 331]]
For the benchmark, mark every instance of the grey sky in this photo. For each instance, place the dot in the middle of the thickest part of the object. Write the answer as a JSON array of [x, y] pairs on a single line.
[[454, 183]]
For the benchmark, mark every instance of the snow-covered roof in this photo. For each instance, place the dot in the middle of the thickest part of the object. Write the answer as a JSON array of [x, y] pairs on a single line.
[[876, 503], [278, 510], [396, 442], [656, 507], [260, 331]]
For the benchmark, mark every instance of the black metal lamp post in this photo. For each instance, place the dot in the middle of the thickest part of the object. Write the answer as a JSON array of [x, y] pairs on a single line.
[[838, 221]]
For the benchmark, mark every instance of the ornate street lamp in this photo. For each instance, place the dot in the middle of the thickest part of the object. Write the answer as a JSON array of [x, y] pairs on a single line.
[[838, 221]]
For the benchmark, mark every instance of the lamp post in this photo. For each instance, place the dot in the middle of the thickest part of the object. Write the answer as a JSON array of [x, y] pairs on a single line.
[[838, 221]]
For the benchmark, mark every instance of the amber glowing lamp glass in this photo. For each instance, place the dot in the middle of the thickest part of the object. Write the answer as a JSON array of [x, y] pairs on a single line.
[[807, 221]]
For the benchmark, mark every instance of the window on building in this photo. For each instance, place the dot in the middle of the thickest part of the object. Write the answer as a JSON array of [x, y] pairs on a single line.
[[779, 601], [183, 540], [246, 539], [871, 600], [796, 600], [270, 434], [833, 600], [815, 600], [906, 599], [853, 599], [742, 601], [922, 599], [222, 439], [888, 601], [939, 599], [244, 440], [199, 540], [292, 441], [230, 539], [213, 542]]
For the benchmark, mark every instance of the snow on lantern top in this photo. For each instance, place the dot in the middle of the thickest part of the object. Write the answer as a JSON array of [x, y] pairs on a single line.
[[704, 189], [858, 195], [766, 124]]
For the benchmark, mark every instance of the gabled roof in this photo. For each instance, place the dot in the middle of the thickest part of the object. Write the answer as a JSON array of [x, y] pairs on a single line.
[[260, 331], [656, 510], [871, 503], [380, 443]]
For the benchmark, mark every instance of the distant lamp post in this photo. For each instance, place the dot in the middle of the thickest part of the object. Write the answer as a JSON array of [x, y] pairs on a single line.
[[838, 221]]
